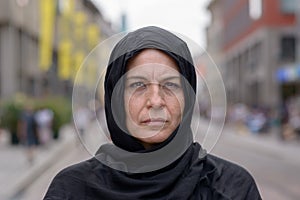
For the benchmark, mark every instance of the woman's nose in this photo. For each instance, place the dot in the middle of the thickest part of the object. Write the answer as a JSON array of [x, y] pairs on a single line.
[[155, 96]]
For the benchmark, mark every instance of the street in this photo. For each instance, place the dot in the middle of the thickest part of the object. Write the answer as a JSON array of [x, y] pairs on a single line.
[[276, 173], [274, 164]]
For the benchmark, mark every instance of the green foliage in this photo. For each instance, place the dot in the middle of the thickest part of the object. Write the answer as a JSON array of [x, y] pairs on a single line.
[[10, 111], [9, 115]]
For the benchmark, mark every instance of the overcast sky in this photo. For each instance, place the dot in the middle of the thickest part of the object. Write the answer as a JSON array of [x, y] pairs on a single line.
[[188, 17]]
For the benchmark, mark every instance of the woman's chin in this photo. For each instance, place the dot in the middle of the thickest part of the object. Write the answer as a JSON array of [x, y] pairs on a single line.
[[153, 139]]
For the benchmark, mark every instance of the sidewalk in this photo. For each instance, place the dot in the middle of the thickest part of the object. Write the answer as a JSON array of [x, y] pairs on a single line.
[[16, 173]]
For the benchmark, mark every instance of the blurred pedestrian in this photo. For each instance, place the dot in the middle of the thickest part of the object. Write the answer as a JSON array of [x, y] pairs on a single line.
[[291, 124], [256, 121], [294, 115], [82, 118], [27, 127], [239, 115], [44, 120]]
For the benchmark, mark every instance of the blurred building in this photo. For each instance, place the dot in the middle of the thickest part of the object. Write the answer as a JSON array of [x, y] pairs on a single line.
[[43, 42], [252, 41]]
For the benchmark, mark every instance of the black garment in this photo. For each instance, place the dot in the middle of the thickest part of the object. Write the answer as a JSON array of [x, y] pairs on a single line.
[[191, 174], [207, 178]]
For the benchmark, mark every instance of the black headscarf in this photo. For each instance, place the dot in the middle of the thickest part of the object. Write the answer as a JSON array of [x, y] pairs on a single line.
[[134, 42]]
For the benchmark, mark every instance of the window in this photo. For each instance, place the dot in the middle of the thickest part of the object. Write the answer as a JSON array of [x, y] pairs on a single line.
[[255, 9], [288, 49], [255, 56], [289, 6]]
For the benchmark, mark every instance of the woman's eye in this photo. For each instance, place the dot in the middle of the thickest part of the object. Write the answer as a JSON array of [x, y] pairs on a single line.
[[171, 86], [137, 85]]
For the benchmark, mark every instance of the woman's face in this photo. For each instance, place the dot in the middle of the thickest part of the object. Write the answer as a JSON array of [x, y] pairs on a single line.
[[154, 99]]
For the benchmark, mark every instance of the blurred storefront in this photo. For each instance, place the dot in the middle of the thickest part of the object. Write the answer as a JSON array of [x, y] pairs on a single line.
[[289, 79], [43, 43]]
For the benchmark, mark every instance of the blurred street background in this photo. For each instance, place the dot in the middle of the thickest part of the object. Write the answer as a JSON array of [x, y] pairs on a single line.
[[255, 45]]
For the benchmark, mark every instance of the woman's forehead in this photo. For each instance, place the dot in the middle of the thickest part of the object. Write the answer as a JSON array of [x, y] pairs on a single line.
[[152, 71], [151, 56]]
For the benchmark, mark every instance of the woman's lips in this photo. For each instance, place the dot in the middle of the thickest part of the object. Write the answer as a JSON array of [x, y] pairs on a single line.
[[154, 122]]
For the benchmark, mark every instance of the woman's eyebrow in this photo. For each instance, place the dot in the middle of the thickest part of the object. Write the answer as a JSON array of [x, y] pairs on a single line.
[[136, 77], [170, 77], [144, 78]]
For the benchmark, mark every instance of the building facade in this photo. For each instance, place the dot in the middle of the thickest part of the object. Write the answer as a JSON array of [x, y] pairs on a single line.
[[258, 37], [20, 38]]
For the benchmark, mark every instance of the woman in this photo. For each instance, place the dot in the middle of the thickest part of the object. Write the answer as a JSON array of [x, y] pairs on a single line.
[[150, 88]]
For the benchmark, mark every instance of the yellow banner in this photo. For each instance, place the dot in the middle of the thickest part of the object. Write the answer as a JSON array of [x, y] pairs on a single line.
[[94, 36], [78, 61], [47, 20], [79, 28], [64, 59]]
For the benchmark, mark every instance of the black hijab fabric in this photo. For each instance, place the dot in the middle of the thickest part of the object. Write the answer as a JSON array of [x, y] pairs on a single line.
[[194, 175], [128, 47]]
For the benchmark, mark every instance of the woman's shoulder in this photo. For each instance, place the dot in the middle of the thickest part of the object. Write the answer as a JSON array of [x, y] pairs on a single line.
[[233, 179], [228, 167], [80, 168], [71, 180]]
